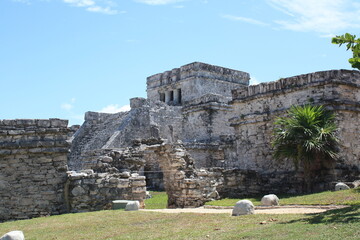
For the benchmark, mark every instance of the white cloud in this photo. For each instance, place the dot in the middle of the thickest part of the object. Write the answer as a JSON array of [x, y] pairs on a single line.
[[253, 81], [80, 3], [244, 19], [67, 106], [95, 6], [105, 10], [158, 2], [22, 1], [115, 108], [322, 16]]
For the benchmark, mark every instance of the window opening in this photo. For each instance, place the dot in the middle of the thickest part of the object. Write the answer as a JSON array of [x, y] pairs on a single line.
[[171, 96], [179, 95], [162, 97]]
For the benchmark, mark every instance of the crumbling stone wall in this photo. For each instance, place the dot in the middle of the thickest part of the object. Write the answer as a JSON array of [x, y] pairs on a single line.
[[33, 158], [89, 191], [185, 185], [111, 174]]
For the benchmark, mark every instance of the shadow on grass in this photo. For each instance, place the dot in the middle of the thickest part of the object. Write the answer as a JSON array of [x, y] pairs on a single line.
[[349, 214]]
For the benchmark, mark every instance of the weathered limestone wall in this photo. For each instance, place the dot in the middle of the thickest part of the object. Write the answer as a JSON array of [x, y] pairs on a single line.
[[194, 80], [33, 158], [239, 183], [89, 191], [203, 119], [257, 107], [185, 185]]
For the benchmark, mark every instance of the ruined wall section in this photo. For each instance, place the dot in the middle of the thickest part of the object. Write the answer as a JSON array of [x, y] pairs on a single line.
[[182, 85], [185, 185], [89, 191], [33, 158], [257, 106]]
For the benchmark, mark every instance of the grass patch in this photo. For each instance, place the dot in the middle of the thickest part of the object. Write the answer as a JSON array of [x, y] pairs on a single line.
[[158, 200], [345, 197], [118, 224]]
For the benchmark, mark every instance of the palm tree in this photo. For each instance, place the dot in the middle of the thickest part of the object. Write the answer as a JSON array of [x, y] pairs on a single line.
[[307, 136]]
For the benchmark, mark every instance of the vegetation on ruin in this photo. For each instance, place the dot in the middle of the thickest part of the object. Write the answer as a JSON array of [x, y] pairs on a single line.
[[345, 197], [352, 43], [118, 224], [307, 136]]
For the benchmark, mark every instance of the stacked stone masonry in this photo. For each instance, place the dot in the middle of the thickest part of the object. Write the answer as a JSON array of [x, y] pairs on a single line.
[[33, 165], [89, 191]]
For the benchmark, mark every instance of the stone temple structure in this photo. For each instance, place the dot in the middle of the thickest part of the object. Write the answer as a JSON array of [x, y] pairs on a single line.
[[202, 133], [182, 85]]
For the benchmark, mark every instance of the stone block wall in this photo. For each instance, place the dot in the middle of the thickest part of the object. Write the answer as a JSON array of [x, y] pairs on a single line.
[[89, 191], [33, 165], [204, 119]]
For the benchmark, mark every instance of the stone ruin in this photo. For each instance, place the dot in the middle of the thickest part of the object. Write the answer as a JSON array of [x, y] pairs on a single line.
[[202, 133]]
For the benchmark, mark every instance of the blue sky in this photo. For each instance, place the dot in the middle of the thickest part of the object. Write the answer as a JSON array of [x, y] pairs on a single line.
[[61, 58]]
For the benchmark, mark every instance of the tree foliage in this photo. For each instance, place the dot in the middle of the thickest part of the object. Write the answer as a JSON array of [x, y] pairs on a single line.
[[353, 44], [307, 136]]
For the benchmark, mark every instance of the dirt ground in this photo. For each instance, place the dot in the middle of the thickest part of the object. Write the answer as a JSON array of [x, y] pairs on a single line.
[[258, 210]]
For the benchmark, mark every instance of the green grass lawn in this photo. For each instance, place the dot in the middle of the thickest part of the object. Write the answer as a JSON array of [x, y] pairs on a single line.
[[118, 224], [346, 197], [158, 200]]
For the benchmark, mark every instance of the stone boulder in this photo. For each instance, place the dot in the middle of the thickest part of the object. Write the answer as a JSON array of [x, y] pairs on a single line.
[[148, 195], [132, 206], [270, 200], [356, 183], [341, 186], [243, 207], [14, 235]]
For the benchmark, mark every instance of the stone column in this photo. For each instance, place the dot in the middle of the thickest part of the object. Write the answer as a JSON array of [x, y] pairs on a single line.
[[167, 96], [176, 96]]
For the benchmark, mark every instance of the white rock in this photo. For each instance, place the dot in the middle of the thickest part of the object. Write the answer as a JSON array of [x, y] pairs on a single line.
[[75, 176], [270, 200], [356, 183], [243, 207], [132, 206], [148, 195], [341, 186], [14, 235]]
